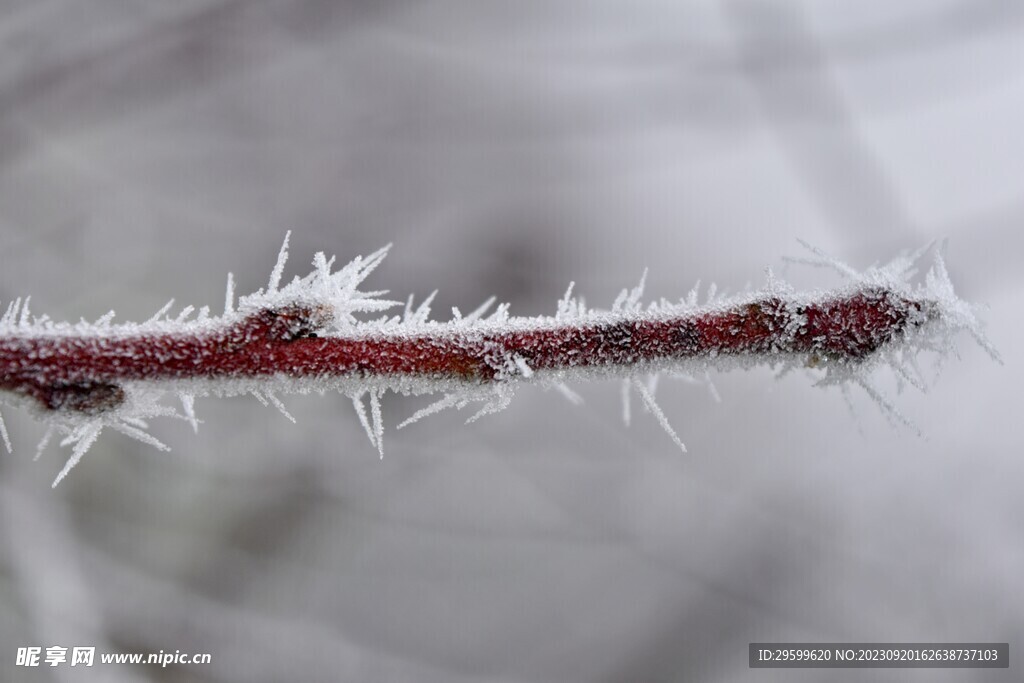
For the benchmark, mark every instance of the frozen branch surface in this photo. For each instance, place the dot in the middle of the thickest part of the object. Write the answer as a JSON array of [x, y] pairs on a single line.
[[309, 336]]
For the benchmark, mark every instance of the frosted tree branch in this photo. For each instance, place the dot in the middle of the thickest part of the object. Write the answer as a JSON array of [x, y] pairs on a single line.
[[312, 335]]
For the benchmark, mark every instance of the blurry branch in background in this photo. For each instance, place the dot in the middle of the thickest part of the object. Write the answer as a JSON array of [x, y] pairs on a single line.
[[788, 70], [308, 336]]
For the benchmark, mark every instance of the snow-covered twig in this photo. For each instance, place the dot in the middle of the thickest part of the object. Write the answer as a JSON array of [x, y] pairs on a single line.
[[310, 335]]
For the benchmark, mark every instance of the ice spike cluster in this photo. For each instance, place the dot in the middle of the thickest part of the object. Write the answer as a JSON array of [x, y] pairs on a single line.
[[323, 333]]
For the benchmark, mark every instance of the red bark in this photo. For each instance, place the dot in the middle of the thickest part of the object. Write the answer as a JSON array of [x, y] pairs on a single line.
[[83, 373]]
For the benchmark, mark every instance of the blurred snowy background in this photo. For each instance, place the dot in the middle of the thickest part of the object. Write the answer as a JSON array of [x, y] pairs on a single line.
[[147, 148]]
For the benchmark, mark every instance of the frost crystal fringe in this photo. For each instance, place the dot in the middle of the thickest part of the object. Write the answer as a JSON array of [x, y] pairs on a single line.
[[306, 336]]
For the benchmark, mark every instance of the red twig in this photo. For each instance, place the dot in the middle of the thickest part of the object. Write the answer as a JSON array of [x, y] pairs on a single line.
[[84, 373], [310, 335]]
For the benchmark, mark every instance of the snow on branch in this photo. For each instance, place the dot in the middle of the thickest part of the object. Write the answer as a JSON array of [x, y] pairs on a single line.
[[318, 333]]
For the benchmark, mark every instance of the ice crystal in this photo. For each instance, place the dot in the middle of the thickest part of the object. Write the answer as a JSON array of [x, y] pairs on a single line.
[[278, 340]]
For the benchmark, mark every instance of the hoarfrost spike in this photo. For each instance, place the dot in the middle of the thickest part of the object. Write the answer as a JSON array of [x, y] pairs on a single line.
[[479, 311], [823, 260], [276, 402], [83, 439], [423, 310], [626, 407], [229, 295], [188, 406], [357, 403], [692, 296], [185, 313], [569, 395], [715, 396], [629, 300], [8, 314], [499, 399], [408, 308], [652, 406], [633, 301], [374, 260], [5, 435], [449, 400], [44, 442], [712, 292], [23, 321], [278, 271], [565, 304], [139, 435], [161, 313], [887, 407], [378, 421]]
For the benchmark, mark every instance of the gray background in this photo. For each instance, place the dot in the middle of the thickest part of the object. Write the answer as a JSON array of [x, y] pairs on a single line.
[[146, 148]]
